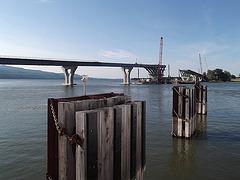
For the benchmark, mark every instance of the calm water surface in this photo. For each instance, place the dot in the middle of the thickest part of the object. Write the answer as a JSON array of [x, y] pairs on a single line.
[[213, 153]]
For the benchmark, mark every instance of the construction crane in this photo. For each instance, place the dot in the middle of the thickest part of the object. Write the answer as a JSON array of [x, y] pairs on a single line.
[[160, 74]]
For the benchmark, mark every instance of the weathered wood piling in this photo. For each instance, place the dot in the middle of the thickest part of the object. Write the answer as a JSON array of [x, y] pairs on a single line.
[[98, 137], [187, 103], [183, 112], [201, 98]]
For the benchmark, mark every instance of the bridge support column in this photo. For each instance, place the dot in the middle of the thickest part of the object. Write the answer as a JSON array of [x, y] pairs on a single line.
[[69, 75], [127, 72]]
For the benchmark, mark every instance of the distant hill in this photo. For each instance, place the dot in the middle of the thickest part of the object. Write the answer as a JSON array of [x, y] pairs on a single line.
[[8, 72]]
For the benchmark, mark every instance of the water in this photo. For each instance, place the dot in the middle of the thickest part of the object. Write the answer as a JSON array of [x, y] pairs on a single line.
[[214, 153]]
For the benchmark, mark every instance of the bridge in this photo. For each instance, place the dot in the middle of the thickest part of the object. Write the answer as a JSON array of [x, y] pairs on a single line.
[[186, 74], [69, 67]]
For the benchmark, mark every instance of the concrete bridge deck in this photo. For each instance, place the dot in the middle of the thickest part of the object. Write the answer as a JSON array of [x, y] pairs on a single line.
[[69, 67], [186, 74]]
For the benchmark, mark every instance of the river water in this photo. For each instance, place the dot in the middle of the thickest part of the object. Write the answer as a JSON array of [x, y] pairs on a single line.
[[213, 153]]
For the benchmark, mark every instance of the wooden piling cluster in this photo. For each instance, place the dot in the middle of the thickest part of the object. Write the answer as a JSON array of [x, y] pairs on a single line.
[[187, 103], [110, 141], [183, 111]]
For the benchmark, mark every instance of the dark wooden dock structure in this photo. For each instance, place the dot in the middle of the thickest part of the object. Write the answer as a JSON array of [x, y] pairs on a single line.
[[96, 137], [187, 103]]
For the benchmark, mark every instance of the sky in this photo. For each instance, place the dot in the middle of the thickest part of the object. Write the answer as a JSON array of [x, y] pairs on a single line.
[[124, 31]]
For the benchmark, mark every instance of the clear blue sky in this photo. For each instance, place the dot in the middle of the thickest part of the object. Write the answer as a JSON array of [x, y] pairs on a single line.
[[123, 31]]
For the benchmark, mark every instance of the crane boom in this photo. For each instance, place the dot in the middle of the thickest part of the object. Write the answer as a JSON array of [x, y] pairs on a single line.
[[160, 51], [160, 70], [200, 64]]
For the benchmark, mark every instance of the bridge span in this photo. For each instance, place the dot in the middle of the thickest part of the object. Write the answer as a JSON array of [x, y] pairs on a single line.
[[69, 67], [186, 74]]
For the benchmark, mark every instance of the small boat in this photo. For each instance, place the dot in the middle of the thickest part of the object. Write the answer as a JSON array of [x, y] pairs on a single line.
[[138, 82]]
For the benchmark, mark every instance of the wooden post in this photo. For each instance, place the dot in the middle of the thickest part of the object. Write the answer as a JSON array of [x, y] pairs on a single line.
[[175, 111], [139, 173], [204, 100], [187, 113], [125, 141], [194, 110], [66, 153], [105, 145], [201, 99], [133, 141], [192, 113], [92, 145], [81, 151], [143, 136], [198, 98], [52, 142], [180, 112], [117, 143]]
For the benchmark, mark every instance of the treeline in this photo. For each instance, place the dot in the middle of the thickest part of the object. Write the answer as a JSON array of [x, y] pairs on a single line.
[[218, 75]]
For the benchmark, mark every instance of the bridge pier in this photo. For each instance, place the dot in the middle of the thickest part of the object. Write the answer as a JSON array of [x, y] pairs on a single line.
[[127, 72], [69, 75]]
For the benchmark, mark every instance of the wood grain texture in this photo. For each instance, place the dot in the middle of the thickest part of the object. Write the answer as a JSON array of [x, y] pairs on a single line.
[[105, 145], [180, 112], [66, 152], [187, 113], [81, 151], [139, 140]]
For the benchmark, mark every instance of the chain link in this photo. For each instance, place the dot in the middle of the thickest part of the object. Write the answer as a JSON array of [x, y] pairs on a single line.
[[58, 127], [60, 131], [49, 177]]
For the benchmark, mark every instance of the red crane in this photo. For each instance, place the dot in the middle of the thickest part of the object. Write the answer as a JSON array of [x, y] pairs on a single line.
[[160, 74]]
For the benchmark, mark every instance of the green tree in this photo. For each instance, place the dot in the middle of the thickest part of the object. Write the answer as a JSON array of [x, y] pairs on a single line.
[[219, 75], [205, 76], [233, 76], [226, 76], [210, 75]]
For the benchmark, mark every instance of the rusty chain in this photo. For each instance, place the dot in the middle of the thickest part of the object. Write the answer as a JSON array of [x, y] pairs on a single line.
[[74, 139], [61, 130]]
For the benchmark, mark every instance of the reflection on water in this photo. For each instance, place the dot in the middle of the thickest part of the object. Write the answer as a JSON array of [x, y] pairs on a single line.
[[182, 158], [201, 127], [184, 151]]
